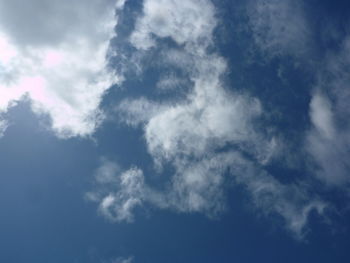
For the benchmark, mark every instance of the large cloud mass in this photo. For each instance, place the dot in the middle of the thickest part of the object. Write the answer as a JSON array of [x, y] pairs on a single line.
[[54, 52]]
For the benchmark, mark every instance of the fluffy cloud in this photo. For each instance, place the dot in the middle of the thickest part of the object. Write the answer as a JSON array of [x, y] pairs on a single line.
[[54, 52]]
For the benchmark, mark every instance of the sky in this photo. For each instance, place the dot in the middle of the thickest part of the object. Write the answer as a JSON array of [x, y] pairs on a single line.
[[145, 131]]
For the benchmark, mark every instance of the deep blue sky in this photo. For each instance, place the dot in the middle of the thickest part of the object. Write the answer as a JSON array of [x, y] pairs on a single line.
[[46, 216]]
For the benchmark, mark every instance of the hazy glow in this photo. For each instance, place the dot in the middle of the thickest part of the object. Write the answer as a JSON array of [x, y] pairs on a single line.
[[53, 58]]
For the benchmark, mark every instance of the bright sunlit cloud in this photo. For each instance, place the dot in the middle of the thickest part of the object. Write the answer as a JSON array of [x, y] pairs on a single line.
[[64, 75]]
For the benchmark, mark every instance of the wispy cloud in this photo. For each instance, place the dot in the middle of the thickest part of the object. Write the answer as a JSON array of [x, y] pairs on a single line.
[[3, 127], [138, 111], [120, 194], [209, 138], [279, 27], [328, 141], [123, 260], [199, 186], [282, 28]]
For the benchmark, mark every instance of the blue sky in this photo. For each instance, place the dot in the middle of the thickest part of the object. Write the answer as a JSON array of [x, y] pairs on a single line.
[[174, 131]]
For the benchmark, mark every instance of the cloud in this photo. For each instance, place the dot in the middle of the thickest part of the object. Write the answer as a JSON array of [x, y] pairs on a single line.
[[118, 205], [137, 111], [171, 82], [209, 119], [292, 202], [328, 140], [3, 127], [123, 260], [199, 187], [321, 115], [279, 27], [209, 138], [282, 28], [119, 193], [55, 54], [182, 21], [107, 171]]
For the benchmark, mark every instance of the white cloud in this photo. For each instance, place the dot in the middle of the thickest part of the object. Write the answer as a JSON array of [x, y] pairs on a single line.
[[210, 118], [119, 206], [328, 141], [321, 115], [183, 21], [55, 53], [199, 186], [119, 192]]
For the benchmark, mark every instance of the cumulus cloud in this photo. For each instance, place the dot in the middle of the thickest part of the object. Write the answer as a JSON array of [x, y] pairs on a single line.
[[54, 52]]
